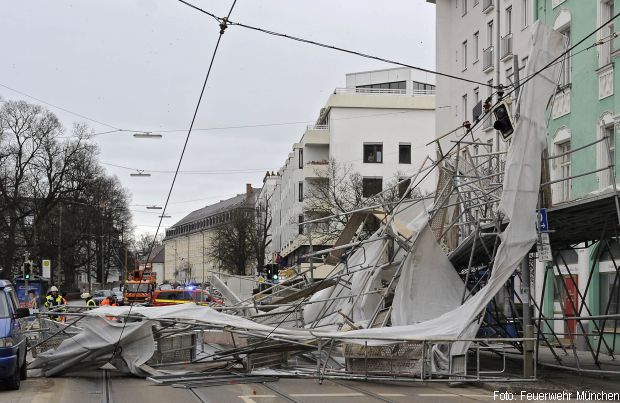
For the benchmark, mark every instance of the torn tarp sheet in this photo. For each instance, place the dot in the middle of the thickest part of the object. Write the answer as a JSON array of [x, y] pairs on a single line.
[[94, 346]]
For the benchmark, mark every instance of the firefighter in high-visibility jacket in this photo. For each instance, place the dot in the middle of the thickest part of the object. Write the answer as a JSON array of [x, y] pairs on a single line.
[[52, 300], [88, 299]]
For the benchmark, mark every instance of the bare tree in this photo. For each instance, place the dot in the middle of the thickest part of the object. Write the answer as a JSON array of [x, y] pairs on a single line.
[[339, 190], [234, 248]]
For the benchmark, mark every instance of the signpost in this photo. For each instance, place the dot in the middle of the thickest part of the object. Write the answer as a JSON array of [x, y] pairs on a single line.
[[544, 245], [46, 264]]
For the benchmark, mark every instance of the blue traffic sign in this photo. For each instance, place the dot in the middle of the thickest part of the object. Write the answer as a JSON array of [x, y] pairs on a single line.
[[543, 223]]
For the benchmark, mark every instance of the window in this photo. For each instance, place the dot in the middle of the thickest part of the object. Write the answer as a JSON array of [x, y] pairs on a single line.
[[525, 9], [606, 34], [464, 51], [509, 20], [403, 186], [300, 219], [404, 153], [490, 33], [371, 186], [509, 74], [373, 152], [301, 158], [476, 95], [395, 85], [564, 162], [609, 294], [464, 103], [300, 194], [607, 150], [565, 77], [464, 6], [476, 49]]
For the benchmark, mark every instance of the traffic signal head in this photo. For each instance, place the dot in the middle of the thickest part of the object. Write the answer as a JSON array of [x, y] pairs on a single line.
[[503, 121], [27, 271]]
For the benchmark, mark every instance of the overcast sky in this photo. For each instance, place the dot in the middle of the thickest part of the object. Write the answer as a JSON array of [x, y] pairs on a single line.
[[140, 64]]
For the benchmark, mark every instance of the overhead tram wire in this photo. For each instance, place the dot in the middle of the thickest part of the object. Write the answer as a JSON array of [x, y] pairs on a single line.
[[59, 107], [333, 47], [223, 26]]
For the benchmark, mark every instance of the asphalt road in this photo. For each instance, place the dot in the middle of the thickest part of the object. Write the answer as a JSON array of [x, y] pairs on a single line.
[[93, 387]]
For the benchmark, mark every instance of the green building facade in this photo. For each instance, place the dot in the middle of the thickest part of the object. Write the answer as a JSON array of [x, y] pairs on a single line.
[[585, 111]]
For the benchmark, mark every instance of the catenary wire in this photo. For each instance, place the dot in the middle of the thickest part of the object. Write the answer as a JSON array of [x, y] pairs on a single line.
[[223, 27], [332, 47]]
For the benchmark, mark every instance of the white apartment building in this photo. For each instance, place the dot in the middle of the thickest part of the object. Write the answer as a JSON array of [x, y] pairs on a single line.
[[477, 40], [378, 125]]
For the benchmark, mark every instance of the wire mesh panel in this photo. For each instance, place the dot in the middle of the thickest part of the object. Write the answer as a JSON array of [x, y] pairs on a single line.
[[177, 348], [403, 359]]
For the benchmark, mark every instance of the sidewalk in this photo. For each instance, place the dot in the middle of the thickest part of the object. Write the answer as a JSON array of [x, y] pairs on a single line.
[[552, 379]]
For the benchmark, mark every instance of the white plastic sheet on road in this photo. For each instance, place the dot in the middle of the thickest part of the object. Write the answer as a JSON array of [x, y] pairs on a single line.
[[94, 347]]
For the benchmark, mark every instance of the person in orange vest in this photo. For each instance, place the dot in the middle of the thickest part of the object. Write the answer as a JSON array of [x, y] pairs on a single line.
[[109, 301]]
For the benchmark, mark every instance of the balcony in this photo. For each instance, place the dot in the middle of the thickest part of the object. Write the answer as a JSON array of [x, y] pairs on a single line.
[[316, 169], [316, 134], [561, 106], [506, 46], [487, 5], [487, 59]]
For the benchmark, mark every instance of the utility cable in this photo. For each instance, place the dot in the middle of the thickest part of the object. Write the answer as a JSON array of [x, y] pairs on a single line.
[[332, 47], [223, 27]]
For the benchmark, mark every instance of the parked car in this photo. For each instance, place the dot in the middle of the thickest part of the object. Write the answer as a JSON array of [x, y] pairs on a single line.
[[100, 295], [12, 339], [174, 297]]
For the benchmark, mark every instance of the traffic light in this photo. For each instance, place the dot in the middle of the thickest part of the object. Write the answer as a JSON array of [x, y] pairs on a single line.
[[503, 121], [27, 270]]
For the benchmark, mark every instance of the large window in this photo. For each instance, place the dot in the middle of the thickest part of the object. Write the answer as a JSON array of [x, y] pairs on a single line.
[[395, 85], [490, 33], [464, 103], [416, 86], [509, 20], [373, 153], [610, 294], [565, 78], [371, 186], [476, 49], [403, 186], [565, 170], [300, 187], [404, 153], [607, 32], [300, 219], [525, 10], [301, 158], [464, 58], [607, 157]]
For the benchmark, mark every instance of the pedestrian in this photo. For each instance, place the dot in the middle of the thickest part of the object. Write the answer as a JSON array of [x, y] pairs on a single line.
[[88, 299], [53, 300]]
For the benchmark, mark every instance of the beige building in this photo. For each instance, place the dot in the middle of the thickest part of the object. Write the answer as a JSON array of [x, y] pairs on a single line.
[[188, 242]]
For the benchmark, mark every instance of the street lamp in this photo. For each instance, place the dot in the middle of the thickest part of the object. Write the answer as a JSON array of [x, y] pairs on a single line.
[[147, 135], [140, 173]]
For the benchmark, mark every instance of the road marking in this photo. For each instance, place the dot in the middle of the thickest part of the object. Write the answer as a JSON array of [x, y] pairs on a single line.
[[250, 398], [350, 394]]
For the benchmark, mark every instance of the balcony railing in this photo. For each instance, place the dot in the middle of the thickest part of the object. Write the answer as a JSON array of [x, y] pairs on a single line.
[[506, 45], [317, 127], [487, 58], [487, 5], [486, 122], [382, 91]]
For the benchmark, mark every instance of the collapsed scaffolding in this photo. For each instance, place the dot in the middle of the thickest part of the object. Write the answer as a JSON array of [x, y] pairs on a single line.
[[392, 305]]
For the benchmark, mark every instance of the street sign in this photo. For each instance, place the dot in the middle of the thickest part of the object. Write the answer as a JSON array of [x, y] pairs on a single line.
[[261, 279], [544, 248], [46, 264], [543, 223]]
